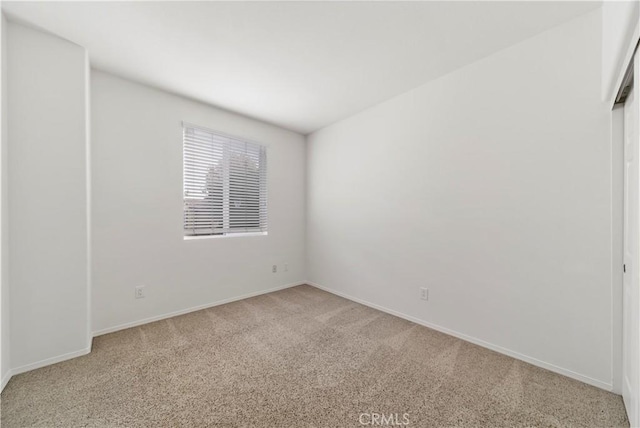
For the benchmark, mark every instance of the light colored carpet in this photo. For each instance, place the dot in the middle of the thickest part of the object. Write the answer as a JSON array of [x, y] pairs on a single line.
[[294, 358]]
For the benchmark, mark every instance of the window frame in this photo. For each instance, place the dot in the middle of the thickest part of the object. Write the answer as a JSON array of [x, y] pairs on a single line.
[[262, 211]]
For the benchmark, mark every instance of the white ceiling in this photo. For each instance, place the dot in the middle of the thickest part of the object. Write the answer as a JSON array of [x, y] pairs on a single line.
[[300, 65]]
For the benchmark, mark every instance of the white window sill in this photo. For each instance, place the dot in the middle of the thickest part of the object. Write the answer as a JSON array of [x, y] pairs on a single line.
[[229, 235]]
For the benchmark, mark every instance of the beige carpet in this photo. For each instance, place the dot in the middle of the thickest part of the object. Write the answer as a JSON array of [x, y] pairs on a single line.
[[295, 358]]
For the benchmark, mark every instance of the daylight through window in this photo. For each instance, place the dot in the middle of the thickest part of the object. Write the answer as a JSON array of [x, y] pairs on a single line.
[[225, 184]]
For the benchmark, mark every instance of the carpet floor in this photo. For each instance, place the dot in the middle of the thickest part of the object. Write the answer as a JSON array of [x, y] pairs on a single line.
[[299, 357]]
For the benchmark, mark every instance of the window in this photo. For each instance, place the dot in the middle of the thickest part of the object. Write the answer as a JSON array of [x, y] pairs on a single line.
[[225, 184]]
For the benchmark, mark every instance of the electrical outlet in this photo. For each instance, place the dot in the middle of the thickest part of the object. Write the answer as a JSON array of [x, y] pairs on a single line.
[[286, 267], [424, 293], [274, 268], [139, 291]]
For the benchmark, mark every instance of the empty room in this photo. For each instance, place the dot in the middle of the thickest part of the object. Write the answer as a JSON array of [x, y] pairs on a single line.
[[320, 214]]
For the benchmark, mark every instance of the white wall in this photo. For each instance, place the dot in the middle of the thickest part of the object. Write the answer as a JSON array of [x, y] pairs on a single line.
[[491, 186], [4, 221], [47, 197], [137, 208], [619, 21]]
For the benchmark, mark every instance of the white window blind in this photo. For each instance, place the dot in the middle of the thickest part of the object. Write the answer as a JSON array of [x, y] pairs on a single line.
[[225, 183]]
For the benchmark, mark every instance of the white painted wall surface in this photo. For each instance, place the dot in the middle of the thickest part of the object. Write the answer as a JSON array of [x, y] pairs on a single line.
[[491, 186], [4, 220], [137, 208], [47, 197], [619, 20]]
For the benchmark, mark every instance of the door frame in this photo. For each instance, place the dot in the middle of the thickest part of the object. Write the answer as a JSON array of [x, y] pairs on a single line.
[[617, 221], [617, 210], [617, 243]]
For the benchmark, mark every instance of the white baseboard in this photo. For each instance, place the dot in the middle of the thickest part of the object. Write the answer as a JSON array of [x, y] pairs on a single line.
[[560, 370], [5, 380], [70, 355], [191, 309], [42, 363], [551, 367]]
